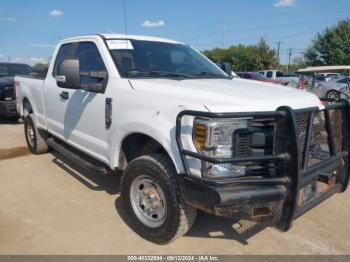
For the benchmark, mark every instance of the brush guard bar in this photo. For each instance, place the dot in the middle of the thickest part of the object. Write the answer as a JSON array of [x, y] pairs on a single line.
[[297, 132]]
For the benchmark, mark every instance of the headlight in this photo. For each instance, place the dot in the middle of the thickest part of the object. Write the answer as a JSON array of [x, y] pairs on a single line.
[[215, 138]]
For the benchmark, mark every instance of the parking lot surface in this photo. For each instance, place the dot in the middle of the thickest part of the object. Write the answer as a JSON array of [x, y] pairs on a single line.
[[50, 206]]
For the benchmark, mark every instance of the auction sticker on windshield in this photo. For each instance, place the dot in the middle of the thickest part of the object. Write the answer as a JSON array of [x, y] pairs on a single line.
[[120, 45]]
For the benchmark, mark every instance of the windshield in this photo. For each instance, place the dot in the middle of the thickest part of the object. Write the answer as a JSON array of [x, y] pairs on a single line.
[[160, 60], [320, 77], [14, 69]]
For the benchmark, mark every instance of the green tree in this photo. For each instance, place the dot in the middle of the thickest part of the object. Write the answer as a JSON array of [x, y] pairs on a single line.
[[245, 57], [331, 47], [265, 57], [242, 57], [218, 55]]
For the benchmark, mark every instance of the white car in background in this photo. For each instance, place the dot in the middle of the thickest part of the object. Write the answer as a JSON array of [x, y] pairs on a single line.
[[329, 76], [335, 88]]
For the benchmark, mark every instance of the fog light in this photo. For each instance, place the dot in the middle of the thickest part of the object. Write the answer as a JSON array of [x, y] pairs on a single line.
[[225, 170]]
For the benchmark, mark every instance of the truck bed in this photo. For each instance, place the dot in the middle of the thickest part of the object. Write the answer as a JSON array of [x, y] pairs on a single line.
[[31, 88]]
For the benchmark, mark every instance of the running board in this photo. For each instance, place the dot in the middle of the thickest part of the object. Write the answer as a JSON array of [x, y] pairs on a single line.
[[77, 157]]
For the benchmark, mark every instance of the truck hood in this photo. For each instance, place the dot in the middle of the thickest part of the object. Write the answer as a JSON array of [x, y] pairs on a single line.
[[222, 95]]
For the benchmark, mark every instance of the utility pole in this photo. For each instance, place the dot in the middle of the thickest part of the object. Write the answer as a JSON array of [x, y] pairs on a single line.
[[289, 58], [278, 50]]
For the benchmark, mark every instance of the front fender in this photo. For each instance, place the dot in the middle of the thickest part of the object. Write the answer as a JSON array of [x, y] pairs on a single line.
[[165, 136]]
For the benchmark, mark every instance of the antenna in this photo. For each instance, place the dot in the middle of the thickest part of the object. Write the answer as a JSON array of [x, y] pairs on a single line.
[[125, 21]]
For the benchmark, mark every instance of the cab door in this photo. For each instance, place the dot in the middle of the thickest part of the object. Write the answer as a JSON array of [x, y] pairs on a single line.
[[56, 98], [78, 115]]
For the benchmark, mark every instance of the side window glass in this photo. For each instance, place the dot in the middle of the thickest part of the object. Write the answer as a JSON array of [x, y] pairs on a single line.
[[269, 74], [62, 54], [92, 69], [342, 81], [279, 74]]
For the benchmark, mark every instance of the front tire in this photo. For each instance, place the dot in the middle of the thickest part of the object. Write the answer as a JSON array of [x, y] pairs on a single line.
[[152, 200], [36, 138]]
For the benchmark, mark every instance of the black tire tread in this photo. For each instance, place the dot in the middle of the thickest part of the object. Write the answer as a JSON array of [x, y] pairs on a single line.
[[187, 214], [41, 146]]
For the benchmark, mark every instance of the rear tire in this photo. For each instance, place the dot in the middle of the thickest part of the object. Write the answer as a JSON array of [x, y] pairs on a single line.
[[333, 95], [166, 217], [36, 138]]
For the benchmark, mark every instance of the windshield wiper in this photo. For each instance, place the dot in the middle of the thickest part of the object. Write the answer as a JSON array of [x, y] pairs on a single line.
[[214, 75], [157, 73], [169, 74]]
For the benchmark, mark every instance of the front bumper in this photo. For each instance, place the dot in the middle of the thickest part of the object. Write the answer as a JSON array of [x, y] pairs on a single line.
[[8, 108], [301, 180]]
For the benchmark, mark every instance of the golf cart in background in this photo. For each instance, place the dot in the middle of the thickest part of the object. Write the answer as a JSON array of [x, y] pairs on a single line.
[[333, 88]]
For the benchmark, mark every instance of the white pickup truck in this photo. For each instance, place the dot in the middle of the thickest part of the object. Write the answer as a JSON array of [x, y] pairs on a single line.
[[184, 134], [291, 80]]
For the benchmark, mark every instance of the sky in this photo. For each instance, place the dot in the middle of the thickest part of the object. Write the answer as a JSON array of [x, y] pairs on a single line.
[[30, 28]]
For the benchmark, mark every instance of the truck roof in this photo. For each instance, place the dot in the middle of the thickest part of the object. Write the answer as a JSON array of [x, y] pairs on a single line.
[[124, 36]]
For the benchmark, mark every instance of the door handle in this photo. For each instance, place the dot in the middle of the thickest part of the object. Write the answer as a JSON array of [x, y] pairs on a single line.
[[64, 95]]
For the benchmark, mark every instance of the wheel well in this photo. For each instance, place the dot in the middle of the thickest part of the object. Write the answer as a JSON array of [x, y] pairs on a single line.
[[136, 145], [27, 106], [332, 90]]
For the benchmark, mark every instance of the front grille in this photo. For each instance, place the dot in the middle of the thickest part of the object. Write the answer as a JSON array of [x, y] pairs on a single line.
[[319, 149], [337, 120], [241, 147], [302, 120]]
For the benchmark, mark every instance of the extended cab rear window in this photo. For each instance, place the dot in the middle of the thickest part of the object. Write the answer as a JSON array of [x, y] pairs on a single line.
[[65, 51]]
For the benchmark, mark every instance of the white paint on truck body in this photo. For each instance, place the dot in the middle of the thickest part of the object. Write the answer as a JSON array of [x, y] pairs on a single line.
[[146, 106]]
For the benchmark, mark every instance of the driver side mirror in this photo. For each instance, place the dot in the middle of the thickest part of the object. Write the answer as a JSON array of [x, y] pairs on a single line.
[[68, 74]]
